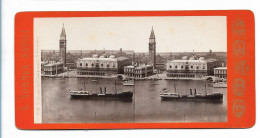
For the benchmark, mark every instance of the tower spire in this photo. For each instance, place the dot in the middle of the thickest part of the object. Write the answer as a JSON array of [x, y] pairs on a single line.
[[152, 36], [63, 33]]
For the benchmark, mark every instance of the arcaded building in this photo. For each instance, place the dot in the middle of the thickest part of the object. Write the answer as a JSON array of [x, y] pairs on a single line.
[[220, 72], [138, 71], [53, 68], [102, 65], [187, 68]]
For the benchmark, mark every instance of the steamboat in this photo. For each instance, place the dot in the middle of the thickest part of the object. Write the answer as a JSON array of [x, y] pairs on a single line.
[[165, 95], [103, 94]]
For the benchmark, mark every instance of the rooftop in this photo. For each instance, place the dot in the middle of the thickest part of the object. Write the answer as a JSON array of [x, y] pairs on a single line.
[[221, 68], [54, 64], [104, 59], [186, 60]]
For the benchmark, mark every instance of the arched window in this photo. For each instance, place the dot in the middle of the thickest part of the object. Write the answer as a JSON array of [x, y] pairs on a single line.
[[92, 64], [170, 67], [80, 64], [86, 64], [101, 65], [197, 67], [182, 67], [176, 66], [108, 65], [191, 67]]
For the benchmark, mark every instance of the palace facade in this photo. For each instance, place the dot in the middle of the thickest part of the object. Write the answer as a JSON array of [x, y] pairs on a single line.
[[187, 68], [102, 66]]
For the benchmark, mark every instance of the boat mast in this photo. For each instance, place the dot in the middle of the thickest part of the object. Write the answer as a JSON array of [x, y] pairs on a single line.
[[174, 86], [85, 85], [206, 87], [115, 86]]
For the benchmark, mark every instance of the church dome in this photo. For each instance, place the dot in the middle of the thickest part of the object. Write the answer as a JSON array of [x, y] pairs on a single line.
[[95, 56], [201, 58], [185, 58], [112, 56]]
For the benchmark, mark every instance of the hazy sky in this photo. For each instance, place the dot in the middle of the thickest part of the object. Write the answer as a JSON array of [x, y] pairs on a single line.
[[173, 34]]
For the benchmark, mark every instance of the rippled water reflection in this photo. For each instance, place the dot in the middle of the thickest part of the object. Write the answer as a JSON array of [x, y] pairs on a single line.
[[146, 105]]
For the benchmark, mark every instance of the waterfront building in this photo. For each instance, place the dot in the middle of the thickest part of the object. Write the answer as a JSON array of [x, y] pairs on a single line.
[[152, 49], [187, 68], [211, 64], [138, 71], [53, 68], [63, 46], [220, 72], [101, 65]]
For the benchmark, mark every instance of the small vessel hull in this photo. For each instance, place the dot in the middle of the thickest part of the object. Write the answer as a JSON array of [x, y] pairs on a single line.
[[220, 85], [121, 95]]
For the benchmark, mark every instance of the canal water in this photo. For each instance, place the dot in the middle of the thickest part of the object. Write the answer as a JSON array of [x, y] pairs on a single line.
[[146, 106]]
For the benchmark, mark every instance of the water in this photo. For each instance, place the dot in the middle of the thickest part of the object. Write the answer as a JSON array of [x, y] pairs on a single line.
[[145, 107]]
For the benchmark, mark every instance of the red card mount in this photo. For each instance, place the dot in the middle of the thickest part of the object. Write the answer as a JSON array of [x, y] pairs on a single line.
[[240, 66]]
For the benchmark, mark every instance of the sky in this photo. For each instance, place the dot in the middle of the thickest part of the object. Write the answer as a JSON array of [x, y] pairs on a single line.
[[173, 34]]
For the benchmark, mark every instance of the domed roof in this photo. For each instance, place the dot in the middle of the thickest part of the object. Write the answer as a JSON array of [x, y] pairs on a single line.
[[95, 56], [112, 56], [201, 58], [185, 58]]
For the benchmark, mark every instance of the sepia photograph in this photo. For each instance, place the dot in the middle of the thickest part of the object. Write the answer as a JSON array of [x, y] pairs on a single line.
[[163, 69]]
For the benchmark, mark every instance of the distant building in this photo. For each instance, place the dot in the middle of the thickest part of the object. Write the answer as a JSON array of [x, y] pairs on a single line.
[[187, 68], [71, 65], [211, 64], [53, 68], [220, 72], [102, 66], [63, 46], [138, 71], [152, 50]]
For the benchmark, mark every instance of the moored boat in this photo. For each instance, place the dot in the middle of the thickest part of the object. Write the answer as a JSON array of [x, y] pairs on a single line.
[[129, 83], [220, 85], [165, 95], [103, 94]]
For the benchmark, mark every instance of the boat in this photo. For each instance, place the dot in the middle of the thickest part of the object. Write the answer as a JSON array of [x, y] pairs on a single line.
[[220, 85], [92, 95], [129, 83], [101, 95], [165, 95]]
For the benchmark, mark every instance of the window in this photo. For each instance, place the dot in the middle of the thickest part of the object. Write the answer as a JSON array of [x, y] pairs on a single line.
[[92, 64], [203, 67], [191, 67], [170, 66], [108, 65], [101, 65], [197, 67], [176, 66], [80, 64], [182, 67], [86, 64]]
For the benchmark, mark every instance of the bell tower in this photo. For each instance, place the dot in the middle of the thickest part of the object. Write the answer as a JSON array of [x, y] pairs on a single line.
[[63, 46], [152, 49]]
